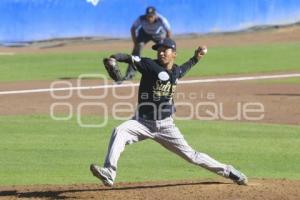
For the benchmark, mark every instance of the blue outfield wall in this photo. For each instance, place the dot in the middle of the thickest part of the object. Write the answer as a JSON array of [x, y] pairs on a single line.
[[29, 20]]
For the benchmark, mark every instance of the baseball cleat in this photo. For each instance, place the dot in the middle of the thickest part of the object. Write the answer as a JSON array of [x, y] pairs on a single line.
[[237, 176], [102, 174]]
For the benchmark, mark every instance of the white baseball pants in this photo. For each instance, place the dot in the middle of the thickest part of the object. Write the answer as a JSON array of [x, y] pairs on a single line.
[[165, 133]]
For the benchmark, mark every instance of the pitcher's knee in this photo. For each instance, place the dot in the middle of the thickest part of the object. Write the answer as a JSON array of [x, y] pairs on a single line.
[[118, 132], [122, 127], [121, 132]]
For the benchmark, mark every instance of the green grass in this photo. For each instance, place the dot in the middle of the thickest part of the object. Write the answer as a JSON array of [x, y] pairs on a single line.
[[38, 150], [219, 61], [249, 59], [49, 66]]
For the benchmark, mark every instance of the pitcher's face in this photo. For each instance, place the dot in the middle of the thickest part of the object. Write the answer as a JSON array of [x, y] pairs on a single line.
[[166, 55]]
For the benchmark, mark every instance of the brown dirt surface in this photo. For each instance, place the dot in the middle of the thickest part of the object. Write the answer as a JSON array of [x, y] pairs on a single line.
[[280, 102], [265, 36], [258, 189]]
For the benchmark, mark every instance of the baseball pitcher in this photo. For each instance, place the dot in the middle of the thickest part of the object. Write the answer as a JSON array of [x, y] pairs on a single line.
[[153, 117]]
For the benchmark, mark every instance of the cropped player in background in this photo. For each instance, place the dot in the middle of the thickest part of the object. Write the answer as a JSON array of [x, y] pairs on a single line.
[[148, 27], [153, 118]]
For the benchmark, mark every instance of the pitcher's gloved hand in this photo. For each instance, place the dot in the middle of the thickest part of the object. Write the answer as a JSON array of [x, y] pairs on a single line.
[[111, 66]]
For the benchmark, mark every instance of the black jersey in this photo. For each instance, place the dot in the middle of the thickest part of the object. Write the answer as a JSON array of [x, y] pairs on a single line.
[[157, 86]]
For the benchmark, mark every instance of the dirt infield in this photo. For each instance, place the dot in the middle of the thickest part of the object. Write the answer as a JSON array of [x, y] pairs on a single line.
[[280, 102], [259, 189], [271, 35]]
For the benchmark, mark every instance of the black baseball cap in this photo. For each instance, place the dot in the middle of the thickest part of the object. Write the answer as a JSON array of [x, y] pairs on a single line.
[[150, 10], [167, 42]]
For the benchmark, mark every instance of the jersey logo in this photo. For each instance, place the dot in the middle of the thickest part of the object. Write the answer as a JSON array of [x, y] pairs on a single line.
[[164, 89], [163, 76]]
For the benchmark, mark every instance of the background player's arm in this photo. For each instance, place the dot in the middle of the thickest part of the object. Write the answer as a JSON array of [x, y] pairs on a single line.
[[133, 34], [169, 34], [133, 29], [166, 25]]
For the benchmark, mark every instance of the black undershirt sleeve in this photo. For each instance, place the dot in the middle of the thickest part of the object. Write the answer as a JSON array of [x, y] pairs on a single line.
[[135, 61], [185, 67], [122, 57]]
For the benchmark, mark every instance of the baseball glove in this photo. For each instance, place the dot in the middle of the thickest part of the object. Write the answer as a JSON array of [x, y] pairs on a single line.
[[113, 69]]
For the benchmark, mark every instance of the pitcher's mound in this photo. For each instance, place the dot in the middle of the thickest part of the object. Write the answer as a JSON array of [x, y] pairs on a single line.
[[204, 190]]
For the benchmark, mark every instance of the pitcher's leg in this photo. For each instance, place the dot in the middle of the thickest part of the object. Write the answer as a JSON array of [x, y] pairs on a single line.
[[127, 133], [180, 147], [173, 140]]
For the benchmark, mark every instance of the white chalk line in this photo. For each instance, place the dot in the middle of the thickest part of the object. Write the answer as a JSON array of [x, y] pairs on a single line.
[[213, 80], [7, 53]]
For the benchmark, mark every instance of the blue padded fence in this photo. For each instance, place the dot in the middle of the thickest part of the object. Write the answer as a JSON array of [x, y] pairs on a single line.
[[30, 20]]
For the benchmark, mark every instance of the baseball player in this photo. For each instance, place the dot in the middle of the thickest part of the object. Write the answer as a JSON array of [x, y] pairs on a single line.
[[148, 27], [153, 118]]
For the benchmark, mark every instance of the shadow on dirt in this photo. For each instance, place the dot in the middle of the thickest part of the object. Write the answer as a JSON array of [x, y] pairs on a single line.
[[59, 193]]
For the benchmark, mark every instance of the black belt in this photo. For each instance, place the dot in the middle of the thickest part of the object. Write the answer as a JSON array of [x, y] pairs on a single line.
[[151, 117]]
